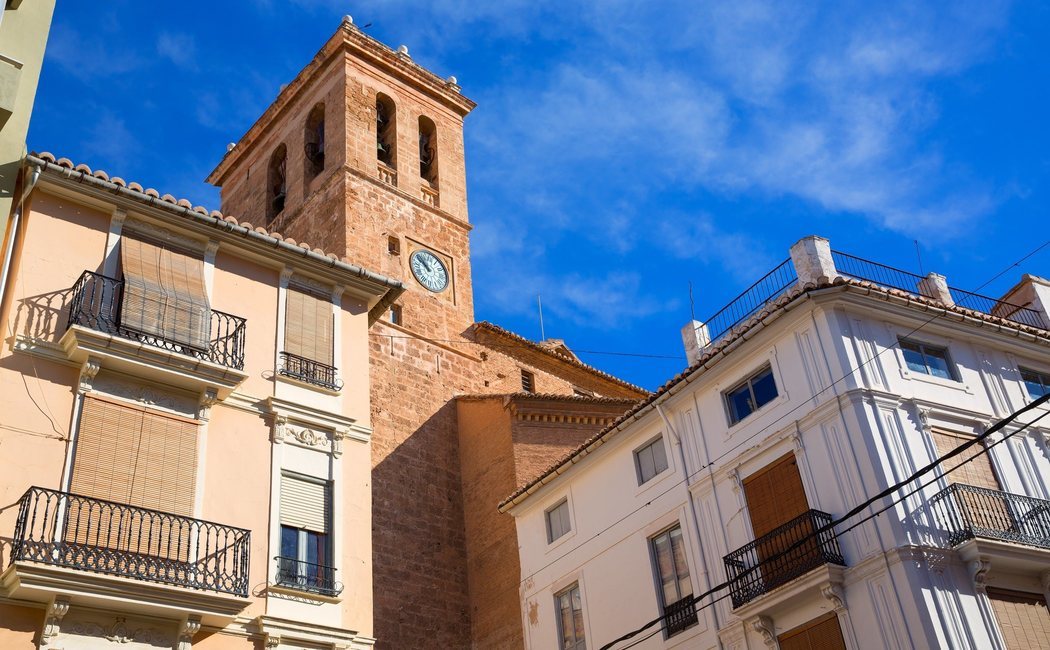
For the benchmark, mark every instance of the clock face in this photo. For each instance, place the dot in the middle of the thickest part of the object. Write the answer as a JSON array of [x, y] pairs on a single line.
[[429, 270]]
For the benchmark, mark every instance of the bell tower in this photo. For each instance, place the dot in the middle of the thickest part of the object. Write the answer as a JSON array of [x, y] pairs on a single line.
[[361, 155]]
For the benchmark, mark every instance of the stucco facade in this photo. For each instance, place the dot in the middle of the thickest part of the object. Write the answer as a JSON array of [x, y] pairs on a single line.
[[218, 574], [850, 415]]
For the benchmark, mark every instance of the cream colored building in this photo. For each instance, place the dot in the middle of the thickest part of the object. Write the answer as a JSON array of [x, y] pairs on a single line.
[[185, 441]]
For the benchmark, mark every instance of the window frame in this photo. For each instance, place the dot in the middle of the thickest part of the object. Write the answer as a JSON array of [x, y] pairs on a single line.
[[658, 579], [528, 381], [581, 642], [749, 383], [564, 501], [923, 349], [1043, 379], [658, 440]]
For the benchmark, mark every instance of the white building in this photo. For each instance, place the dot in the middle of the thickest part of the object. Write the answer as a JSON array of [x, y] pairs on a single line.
[[828, 381]]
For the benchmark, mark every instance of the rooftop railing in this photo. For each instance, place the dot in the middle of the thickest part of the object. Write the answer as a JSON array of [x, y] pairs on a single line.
[[774, 559], [79, 532], [97, 304], [965, 512], [771, 286]]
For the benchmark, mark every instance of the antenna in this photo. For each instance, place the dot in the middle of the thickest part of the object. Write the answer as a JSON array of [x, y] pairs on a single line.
[[918, 253], [539, 303], [692, 306]]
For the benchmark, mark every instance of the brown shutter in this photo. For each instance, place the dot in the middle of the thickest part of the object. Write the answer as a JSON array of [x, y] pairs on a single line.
[[823, 633], [1024, 619], [164, 293], [308, 326], [775, 495], [977, 472]]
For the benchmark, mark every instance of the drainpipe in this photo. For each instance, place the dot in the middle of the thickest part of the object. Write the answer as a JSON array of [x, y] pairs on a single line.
[[692, 509], [12, 234]]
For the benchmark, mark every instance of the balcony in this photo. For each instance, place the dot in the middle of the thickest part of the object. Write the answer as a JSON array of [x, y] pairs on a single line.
[[966, 512], [307, 576], [309, 371], [680, 616], [429, 195], [77, 532], [774, 559]]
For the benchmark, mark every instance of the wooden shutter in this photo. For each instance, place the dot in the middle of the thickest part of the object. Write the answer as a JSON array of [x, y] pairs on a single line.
[[823, 633], [164, 293], [308, 326], [1024, 619], [775, 495], [305, 503], [977, 472]]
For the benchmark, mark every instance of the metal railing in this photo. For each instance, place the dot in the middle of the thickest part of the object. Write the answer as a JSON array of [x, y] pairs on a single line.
[[78, 532], [766, 563], [309, 371], [307, 576], [888, 276], [770, 287], [96, 303], [680, 616], [966, 511]]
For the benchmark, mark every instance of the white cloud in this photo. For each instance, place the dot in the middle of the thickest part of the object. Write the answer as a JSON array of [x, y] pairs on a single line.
[[180, 49]]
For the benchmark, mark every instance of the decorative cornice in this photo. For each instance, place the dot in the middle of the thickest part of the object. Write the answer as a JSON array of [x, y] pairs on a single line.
[[764, 626], [88, 370]]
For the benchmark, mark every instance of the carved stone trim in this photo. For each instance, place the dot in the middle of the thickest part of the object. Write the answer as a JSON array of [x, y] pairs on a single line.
[[53, 621], [835, 594], [208, 399], [764, 626], [273, 640], [979, 568], [87, 374], [311, 285], [190, 628], [280, 428]]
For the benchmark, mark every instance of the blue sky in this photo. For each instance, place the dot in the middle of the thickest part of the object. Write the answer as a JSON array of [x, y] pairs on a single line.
[[621, 149]]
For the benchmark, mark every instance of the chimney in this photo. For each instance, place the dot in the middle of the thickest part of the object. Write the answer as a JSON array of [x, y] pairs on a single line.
[[935, 286], [695, 337], [1032, 292], [812, 259]]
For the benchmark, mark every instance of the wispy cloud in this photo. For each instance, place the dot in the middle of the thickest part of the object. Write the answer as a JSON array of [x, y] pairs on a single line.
[[180, 49], [89, 56]]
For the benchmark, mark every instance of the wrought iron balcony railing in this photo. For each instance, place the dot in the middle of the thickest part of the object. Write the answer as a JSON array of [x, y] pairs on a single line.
[[96, 304], [680, 616], [307, 576], [310, 371], [78, 532], [767, 289], [780, 556], [966, 511]]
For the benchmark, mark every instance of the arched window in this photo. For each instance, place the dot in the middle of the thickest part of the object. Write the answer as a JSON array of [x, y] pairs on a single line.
[[386, 131], [428, 163], [314, 142], [276, 182]]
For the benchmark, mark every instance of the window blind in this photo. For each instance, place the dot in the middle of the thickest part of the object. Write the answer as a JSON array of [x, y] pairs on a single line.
[[305, 503], [164, 293], [308, 326]]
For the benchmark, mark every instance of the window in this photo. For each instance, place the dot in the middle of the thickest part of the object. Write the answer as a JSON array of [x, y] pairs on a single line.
[[823, 633], [313, 143], [305, 562], [386, 131], [672, 574], [752, 394], [276, 182], [428, 151], [1037, 383], [393, 245], [927, 359], [164, 293], [395, 315], [581, 392], [528, 381], [650, 460], [569, 609], [309, 338], [558, 521]]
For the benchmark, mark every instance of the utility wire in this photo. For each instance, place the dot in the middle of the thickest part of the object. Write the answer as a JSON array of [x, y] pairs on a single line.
[[858, 509]]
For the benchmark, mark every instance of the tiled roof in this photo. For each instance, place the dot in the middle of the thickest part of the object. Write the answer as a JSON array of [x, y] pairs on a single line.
[[526, 343], [730, 340]]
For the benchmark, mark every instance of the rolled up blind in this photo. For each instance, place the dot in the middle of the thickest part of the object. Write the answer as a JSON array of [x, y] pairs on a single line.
[[305, 503], [164, 293], [308, 326]]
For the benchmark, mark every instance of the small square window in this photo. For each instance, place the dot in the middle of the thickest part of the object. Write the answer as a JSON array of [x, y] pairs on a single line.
[[927, 359], [396, 315], [650, 460], [558, 521], [528, 381], [393, 245], [1037, 383], [752, 394], [580, 392]]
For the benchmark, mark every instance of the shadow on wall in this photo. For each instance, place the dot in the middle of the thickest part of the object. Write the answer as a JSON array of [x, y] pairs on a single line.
[[43, 318]]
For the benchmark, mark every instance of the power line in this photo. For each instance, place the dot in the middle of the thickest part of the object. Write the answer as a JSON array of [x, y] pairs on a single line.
[[528, 345], [867, 503]]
